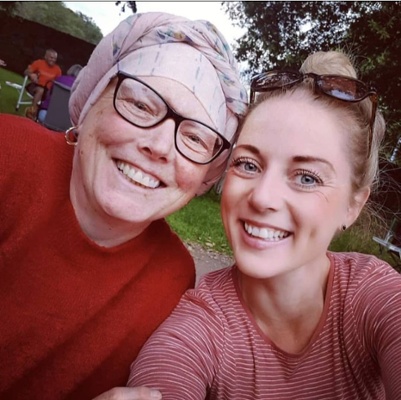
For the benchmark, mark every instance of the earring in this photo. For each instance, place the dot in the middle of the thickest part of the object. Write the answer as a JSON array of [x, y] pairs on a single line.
[[344, 228], [71, 136]]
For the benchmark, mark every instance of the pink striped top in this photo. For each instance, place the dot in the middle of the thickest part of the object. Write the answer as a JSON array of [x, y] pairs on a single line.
[[212, 348]]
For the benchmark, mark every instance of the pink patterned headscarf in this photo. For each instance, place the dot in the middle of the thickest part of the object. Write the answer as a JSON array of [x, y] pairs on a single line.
[[193, 53]]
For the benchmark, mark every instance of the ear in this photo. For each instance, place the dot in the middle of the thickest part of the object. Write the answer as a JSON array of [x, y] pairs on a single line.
[[358, 201]]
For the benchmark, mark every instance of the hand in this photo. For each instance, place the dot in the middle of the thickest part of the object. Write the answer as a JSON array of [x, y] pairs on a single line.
[[33, 77], [125, 393], [2, 63]]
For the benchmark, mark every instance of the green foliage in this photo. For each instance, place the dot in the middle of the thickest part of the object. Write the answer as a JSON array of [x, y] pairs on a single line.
[[9, 95], [57, 16], [282, 34], [377, 38], [360, 240], [127, 4], [200, 222]]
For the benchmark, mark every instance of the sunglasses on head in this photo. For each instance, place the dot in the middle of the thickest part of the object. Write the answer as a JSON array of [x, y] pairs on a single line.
[[339, 87]]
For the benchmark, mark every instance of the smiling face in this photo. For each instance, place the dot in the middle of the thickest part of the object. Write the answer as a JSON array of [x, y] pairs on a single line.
[[288, 188], [50, 57], [132, 176]]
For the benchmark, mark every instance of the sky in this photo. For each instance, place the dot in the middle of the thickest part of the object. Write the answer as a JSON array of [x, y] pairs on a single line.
[[107, 15]]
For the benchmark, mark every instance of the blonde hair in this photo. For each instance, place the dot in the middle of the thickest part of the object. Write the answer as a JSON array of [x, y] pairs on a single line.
[[365, 169]]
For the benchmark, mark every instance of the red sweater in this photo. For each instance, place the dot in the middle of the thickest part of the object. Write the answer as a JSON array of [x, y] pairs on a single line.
[[73, 315]]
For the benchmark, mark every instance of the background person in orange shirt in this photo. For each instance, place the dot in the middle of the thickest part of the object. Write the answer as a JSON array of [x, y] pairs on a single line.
[[42, 73]]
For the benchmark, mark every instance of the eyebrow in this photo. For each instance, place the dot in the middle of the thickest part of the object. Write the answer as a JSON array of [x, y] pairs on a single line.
[[311, 159], [297, 159]]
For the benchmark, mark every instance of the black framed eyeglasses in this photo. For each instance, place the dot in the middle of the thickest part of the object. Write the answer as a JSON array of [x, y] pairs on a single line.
[[140, 105], [339, 87]]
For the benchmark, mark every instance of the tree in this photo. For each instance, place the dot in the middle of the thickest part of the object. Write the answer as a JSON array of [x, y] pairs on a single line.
[[282, 34], [57, 16], [128, 4], [377, 36], [9, 7]]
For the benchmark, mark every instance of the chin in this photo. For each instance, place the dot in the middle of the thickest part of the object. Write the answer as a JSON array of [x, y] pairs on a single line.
[[260, 267]]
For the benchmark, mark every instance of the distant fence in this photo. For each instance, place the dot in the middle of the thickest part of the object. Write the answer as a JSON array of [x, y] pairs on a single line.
[[22, 41]]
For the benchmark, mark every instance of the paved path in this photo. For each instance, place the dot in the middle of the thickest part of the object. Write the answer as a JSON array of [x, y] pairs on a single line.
[[207, 260]]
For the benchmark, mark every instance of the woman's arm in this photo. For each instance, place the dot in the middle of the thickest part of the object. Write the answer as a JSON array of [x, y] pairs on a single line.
[[180, 358], [378, 313], [388, 343]]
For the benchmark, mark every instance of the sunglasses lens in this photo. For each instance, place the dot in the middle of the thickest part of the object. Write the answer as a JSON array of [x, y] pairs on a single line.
[[343, 88], [274, 79]]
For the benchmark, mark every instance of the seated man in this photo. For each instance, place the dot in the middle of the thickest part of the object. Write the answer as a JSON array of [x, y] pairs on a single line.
[[66, 80], [42, 73]]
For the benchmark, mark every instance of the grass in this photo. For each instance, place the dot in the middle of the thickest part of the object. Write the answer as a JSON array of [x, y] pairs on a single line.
[[200, 221], [9, 95]]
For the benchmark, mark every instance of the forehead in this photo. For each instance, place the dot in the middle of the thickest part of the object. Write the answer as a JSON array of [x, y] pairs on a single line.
[[295, 124]]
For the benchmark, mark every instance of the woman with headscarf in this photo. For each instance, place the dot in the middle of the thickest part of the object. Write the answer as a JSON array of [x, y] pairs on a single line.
[[89, 267]]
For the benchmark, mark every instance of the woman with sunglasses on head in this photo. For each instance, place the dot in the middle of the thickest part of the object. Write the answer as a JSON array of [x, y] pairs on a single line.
[[291, 319], [89, 267]]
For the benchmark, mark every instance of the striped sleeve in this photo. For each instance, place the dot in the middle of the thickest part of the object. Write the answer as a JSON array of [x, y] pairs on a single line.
[[180, 357], [378, 305]]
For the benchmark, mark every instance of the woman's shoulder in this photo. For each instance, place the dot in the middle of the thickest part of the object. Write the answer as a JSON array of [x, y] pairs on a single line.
[[364, 274], [360, 264], [221, 279], [216, 290], [20, 132], [30, 150]]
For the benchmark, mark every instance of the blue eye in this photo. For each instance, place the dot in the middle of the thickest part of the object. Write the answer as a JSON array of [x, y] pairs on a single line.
[[245, 165], [307, 179]]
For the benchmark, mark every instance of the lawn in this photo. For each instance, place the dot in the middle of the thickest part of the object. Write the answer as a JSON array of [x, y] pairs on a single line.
[[9, 95], [200, 220]]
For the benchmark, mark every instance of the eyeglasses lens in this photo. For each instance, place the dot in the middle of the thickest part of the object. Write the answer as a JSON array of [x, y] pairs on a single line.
[[143, 107]]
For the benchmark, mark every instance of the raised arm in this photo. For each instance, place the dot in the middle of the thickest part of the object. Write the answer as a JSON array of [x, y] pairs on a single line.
[[181, 356], [381, 320], [388, 337]]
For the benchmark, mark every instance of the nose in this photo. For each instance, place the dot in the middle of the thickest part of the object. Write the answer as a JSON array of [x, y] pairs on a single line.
[[268, 192], [158, 142]]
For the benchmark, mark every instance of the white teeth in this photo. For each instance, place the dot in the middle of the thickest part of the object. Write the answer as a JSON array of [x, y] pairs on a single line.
[[137, 176], [264, 233]]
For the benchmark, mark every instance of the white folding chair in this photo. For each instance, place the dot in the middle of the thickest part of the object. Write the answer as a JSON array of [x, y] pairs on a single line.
[[22, 93], [391, 241]]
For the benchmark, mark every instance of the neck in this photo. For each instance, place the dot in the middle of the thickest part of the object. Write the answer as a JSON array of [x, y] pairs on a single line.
[[288, 308]]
